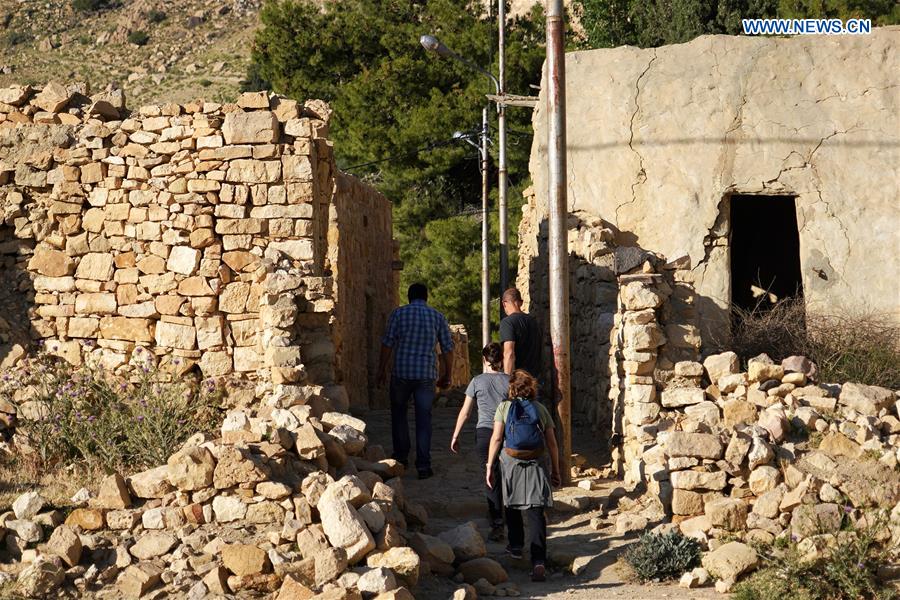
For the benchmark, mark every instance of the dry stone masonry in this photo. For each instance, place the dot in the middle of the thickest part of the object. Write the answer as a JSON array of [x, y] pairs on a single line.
[[724, 453], [221, 238]]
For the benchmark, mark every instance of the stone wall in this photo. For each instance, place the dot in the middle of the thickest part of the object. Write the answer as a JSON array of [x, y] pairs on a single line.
[[220, 237], [754, 455], [365, 284], [660, 139]]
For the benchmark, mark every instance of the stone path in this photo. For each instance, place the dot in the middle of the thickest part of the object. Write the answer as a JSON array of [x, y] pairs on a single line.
[[453, 496]]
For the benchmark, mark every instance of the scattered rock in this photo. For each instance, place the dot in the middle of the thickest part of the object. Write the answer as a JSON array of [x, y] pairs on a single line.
[[483, 568], [730, 561], [28, 505], [465, 540]]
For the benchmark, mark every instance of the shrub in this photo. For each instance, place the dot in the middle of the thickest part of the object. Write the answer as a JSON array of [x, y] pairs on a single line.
[[156, 16], [205, 82], [665, 556], [138, 38], [14, 38], [86, 415], [847, 570], [845, 347], [89, 5]]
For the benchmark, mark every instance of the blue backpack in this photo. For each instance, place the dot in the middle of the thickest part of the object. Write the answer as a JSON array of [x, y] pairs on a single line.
[[523, 430]]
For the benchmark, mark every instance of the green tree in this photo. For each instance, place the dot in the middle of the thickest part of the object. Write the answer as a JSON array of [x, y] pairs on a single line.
[[651, 23], [396, 109]]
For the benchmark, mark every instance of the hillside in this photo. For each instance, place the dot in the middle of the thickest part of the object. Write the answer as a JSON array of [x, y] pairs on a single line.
[[193, 48]]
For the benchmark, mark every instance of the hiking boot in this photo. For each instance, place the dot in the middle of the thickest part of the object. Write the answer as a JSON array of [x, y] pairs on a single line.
[[497, 534], [514, 552], [538, 573], [425, 473]]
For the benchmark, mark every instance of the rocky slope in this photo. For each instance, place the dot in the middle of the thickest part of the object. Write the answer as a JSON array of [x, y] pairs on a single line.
[[194, 48]]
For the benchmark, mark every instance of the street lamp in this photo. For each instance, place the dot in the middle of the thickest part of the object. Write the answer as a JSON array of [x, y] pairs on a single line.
[[432, 44], [485, 225]]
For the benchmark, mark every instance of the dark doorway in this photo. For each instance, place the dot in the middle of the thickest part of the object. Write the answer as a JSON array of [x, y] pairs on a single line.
[[765, 251]]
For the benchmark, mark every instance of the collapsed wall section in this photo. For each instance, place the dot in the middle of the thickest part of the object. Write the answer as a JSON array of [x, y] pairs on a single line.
[[197, 232]]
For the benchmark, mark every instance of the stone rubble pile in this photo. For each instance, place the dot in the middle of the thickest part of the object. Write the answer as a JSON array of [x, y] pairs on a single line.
[[290, 502], [751, 455]]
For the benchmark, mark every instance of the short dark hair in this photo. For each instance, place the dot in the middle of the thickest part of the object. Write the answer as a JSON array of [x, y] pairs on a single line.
[[522, 385], [417, 291], [493, 354], [512, 295]]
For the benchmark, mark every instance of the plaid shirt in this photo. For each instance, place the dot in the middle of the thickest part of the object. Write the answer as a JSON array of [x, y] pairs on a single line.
[[413, 331]]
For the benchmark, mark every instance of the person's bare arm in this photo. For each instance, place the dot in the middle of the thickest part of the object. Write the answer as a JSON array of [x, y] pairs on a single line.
[[509, 357], [553, 448], [494, 449], [384, 363], [461, 419]]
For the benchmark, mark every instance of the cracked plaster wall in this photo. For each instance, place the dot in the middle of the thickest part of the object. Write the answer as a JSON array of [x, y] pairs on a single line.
[[657, 138]]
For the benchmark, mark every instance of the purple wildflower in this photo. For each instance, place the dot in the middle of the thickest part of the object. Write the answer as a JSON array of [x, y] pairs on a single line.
[[848, 509]]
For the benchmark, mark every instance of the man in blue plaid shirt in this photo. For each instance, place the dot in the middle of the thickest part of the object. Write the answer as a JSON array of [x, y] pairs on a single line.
[[413, 332]]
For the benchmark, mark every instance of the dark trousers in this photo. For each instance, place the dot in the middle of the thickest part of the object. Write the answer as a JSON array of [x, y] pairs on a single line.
[[422, 392], [537, 527], [493, 494]]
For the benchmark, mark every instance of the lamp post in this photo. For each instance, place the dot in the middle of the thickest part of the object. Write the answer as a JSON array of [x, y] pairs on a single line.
[[432, 44], [558, 241], [501, 162], [485, 226]]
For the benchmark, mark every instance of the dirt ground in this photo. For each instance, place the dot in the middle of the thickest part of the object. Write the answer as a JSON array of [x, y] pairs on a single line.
[[454, 496]]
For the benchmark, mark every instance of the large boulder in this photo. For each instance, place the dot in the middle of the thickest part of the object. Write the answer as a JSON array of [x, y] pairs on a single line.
[[465, 540], [235, 466], [483, 568], [153, 544], [719, 365], [730, 561], [727, 513], [40, 578], [113, 493], [245, 559], [867, 400], [152, 483], [403, 561], [191, 469], [343, 525], [699, 445], [28, 505], [66, 544]]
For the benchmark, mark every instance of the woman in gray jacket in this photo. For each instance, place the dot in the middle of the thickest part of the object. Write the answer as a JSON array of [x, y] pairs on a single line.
[[524, 478]]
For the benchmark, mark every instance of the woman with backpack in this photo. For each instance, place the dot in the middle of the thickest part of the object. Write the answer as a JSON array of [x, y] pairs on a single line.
[[525, 430], [486, 391]]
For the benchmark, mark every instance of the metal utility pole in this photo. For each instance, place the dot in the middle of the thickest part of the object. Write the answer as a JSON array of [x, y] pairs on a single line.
[[501, 167], [558, 230], [485, 231]]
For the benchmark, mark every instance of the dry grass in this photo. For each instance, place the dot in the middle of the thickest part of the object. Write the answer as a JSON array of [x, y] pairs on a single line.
[[57, 486], [863, 348]]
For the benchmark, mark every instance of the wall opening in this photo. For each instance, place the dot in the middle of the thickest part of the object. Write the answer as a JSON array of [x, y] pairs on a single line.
[[765, 251]]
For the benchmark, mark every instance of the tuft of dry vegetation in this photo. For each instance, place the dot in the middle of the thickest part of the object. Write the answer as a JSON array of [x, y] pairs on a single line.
[[85, 417], [863, 348]]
